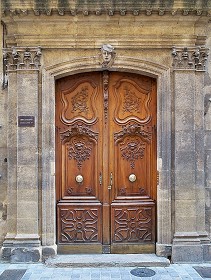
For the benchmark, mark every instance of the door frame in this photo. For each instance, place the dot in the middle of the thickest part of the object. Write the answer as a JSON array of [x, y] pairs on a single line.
[[122, 64]]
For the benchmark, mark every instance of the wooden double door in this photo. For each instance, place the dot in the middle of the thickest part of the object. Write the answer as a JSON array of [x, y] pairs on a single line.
[[106, 174]]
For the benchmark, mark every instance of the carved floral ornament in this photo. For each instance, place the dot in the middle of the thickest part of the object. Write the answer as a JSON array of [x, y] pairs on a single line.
[[80, 140], [190, 58], [22, 58]]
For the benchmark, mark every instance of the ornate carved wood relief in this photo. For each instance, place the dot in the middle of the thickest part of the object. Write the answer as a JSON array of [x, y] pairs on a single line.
[[80, 142], [105, 126], [78, 130], [133, 224], [79, 149], [105, 94], [79, 224], [132, 101], [143, 131], [79, 102], [72, 192], [132, 149]]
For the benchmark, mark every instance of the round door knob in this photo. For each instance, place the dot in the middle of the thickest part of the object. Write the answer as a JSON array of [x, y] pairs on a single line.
[[79, 178], [132, 178]]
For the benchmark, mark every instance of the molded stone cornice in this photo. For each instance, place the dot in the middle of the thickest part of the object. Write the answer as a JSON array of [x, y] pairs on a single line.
[[190, 58], [22, 58], [110, 7]]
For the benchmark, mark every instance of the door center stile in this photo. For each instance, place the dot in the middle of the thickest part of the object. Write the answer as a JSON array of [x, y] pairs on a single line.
[[106, 165]]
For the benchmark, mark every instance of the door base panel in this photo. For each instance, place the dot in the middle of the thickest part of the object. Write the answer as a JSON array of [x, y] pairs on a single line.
[[132, 248], [103, 249], [80, 249]]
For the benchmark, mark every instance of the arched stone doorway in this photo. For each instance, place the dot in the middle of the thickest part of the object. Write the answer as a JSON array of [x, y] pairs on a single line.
[[129, 65]]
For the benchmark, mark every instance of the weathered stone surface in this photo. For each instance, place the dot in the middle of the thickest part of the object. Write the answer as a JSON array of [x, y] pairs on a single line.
[[70, 38], [187, 253], [25, 255]]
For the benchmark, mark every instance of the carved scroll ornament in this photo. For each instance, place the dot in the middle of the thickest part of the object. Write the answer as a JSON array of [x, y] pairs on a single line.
[[22, 58], [78, 130], [190, 58], [145, 132]]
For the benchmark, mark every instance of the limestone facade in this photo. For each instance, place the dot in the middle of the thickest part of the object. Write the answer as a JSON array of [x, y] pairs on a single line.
[[44, 41]]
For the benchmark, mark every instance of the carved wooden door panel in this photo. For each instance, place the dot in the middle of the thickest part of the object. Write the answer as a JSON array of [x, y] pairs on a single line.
[[132, 157], [106, 163]]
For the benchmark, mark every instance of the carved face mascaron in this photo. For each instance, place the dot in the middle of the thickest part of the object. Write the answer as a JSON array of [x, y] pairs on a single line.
[[107, 55]]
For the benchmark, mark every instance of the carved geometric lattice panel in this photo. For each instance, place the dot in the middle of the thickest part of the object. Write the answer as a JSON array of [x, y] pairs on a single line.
[[133, 224], [79, 224]]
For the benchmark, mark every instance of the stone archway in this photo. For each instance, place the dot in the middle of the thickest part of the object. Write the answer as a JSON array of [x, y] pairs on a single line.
[[127, 64]]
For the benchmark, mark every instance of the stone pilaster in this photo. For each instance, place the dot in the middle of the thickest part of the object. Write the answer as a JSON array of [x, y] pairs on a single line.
[[190, 241], [22, 243]]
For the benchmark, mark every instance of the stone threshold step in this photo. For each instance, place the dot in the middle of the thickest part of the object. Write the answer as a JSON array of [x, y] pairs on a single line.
[[107, 260]]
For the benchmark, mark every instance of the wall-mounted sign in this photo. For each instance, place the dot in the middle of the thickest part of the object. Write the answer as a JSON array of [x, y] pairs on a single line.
[[26, 121]]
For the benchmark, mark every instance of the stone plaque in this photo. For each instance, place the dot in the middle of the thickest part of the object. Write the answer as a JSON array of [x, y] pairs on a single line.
[[26, 121]]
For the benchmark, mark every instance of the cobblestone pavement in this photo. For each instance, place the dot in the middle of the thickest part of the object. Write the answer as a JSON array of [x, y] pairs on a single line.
[[41, 272]]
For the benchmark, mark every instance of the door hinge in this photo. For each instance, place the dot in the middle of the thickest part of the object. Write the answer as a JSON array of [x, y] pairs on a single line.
[[100, 178], [158, 177], [111, 181]]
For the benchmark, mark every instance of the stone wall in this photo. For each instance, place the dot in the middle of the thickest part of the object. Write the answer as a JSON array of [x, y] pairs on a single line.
[[70, 43], [3, 148], [207, 119]]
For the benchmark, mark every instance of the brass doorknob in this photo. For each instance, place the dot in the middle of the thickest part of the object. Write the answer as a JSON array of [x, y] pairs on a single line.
[[132, 178], [79, 178]]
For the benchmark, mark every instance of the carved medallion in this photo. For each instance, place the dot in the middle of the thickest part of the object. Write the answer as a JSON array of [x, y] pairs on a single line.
[[131, 102], [132, 150]]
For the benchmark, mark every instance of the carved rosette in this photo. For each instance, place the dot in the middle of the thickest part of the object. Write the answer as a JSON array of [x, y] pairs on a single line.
[[22, 58], [190, 58]]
